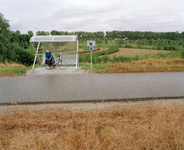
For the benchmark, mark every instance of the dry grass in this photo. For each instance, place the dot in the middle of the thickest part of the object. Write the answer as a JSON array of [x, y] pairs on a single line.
[[11, 69], [10, 65], [130, 127], [132, 52], [147, 65]]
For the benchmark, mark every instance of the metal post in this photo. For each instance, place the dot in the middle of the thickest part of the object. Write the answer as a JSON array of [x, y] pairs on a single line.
[[91, 60], [43, 57], [34, 58], [77, 55], [34, 62], [60, 48], [36, 55]]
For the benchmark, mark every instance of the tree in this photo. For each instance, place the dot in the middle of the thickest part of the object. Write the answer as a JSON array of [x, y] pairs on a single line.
[[42, 33], [4, 37], [13, 44], [54, 32], [159, 42], [138, 42], [17, 31], [182, 34], [30, 33], [103, 44], [165, 43], [109, 43]]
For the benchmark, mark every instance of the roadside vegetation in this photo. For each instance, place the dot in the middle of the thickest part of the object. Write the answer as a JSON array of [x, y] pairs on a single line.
[[120, 127], [12, 69], [130, 127], [113, 50], [146, 65]]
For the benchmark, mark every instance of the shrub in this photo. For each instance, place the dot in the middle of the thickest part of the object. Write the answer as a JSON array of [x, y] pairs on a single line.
[[80, 46], [160, 55], [111, 50], [182, 54], [128, 46], [105, 58], [159, 47], [96, 59], [24, 56], [166, 48], [84, 57]]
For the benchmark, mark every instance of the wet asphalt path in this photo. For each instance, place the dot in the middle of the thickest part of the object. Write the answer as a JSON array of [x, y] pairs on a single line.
[[87, 87]]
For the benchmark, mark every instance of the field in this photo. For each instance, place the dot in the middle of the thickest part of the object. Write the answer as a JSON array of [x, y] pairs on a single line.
[[144, 126], [132, 52]]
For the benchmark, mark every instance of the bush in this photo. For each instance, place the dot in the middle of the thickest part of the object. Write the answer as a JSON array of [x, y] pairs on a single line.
[[105, 58], [111, 50], [96, 59], [84, 57], [171, 48], [128, 46], [159, 47], [166, 48], [182, 54], [161, 55], [26, 57], [122, 59], [80, 46]]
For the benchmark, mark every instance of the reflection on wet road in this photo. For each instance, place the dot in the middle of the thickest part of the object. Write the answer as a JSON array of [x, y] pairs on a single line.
[[90, 87]]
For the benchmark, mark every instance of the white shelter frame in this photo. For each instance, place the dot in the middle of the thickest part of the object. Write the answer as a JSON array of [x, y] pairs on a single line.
[[55, 38]]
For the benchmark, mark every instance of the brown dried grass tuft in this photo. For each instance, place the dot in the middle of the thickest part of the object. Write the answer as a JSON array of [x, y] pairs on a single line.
[[147, 65], [10, 65], [7, 75], [130, 127]]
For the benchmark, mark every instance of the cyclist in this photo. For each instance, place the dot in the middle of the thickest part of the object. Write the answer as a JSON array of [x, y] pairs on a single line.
[[49, 56]]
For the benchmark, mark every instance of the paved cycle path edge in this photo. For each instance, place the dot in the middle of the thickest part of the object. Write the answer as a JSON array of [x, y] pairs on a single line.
[[91, 88]]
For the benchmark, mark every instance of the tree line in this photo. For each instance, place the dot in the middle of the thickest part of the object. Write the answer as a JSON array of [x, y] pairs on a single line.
[[129, 35], [16, 47]]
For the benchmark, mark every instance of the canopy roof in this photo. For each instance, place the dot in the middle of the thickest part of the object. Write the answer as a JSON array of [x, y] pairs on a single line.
[[54, 38]]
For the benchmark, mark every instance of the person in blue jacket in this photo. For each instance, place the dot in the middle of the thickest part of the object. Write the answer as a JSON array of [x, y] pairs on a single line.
[[49, 56]]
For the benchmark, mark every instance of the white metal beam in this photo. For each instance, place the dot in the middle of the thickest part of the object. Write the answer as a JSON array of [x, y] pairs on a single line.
[[36, 55]]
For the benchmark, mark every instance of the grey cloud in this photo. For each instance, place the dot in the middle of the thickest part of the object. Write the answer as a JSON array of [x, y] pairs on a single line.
[[64, 15]]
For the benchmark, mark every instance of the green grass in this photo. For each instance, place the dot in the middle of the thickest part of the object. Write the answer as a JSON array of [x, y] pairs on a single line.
[[14, 71], [96, 66]]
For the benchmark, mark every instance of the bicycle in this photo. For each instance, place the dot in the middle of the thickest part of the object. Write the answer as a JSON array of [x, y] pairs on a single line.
[[60, 63]]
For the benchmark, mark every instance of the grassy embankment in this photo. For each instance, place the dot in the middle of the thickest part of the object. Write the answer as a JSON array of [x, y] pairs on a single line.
[[126, 60], [138, 60], [12, 69], [146, 65], [129, 127]]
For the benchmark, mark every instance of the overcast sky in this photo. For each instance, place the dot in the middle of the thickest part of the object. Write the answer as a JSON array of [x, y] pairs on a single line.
[[94, 15]]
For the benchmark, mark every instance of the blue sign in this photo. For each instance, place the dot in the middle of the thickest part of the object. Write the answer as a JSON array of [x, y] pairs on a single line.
[[91, 48], [90, 43]]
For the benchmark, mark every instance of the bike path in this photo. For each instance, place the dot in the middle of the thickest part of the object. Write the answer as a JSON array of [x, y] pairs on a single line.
[[90, 87]]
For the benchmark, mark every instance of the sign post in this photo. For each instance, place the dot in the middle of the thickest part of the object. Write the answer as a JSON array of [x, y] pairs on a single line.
[[90, 44], [91, 49]]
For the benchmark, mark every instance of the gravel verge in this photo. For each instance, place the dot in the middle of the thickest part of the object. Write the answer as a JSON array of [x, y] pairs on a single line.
[[90, 106]]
